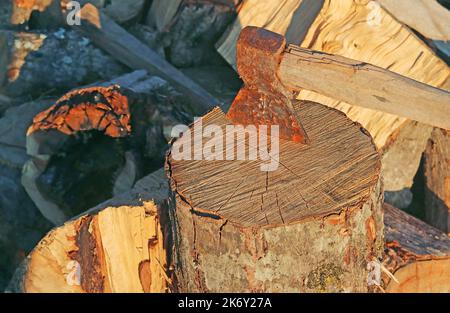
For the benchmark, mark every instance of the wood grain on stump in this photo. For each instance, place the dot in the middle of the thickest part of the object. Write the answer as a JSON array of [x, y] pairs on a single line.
[[311, 225]]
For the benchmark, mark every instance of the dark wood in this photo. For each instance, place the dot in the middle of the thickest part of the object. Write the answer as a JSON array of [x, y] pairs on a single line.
[[115, 40]]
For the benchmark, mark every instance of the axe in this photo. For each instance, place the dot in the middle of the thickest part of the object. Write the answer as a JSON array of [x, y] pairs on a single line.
[[272, 73]]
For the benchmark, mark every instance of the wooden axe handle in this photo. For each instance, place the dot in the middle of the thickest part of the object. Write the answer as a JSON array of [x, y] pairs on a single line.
[[365, 85]]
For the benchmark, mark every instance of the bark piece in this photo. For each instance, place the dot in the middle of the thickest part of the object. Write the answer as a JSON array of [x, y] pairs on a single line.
[[417, 254], [239, 229], [437, 180]]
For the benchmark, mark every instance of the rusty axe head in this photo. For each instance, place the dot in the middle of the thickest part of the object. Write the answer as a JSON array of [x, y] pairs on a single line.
[[264, 100]]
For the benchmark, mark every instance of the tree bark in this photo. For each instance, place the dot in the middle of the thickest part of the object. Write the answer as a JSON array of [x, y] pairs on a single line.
[[311, 225]]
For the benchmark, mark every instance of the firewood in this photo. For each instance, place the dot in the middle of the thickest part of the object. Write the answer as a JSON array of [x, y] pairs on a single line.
[[401, 157], [267, 229], [429, 18], [437, 180], [106, 136], [417, 254], [116, 41], [360, 31], [119, 246]]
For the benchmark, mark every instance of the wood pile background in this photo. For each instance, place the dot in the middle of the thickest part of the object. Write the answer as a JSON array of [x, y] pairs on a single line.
[[381, 194]]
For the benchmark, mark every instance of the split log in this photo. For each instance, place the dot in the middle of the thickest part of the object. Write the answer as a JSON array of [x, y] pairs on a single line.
[[116, 41], [361, 31], [437, 180], [119, 246], [429, 18], [417, 254], [310, 225], [401, 157]]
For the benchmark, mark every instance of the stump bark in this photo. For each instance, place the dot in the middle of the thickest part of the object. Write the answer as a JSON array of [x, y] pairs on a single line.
[[311, 225]]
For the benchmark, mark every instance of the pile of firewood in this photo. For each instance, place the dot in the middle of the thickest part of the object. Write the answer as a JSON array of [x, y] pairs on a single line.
[[332, 213]]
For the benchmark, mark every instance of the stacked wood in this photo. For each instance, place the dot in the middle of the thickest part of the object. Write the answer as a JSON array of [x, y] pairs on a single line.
[[418, 255], [119, 246], [361, 31], [437, 177]]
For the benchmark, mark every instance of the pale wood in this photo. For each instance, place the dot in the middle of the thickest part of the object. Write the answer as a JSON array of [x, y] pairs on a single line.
[[124, 47], [120, 246], [364, 85], [437, 180], [402, 154], [341, 28], [162, 12], [274, 15], [319, 214], [428, 17], [417, 254]]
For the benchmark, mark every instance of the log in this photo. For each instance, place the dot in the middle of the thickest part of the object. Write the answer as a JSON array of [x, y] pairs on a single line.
[[417, 255], [76, 143], [401, 157], [310, 225], [437, 180], [116, 41], [118, 246], [339, 28]]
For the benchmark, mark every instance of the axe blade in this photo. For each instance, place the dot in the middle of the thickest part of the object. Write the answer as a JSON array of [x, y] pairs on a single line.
[[264, 100]]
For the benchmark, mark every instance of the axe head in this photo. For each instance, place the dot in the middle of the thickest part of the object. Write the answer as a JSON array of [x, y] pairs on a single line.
[[264, 100]]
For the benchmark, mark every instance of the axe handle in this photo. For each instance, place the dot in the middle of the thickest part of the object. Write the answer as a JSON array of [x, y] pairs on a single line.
[[365, 85]]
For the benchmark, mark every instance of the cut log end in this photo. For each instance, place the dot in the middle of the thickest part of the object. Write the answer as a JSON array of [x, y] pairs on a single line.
[[339, 169]]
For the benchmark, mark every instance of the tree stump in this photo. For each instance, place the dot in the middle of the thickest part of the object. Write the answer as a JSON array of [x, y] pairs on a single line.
[[311, 225]]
